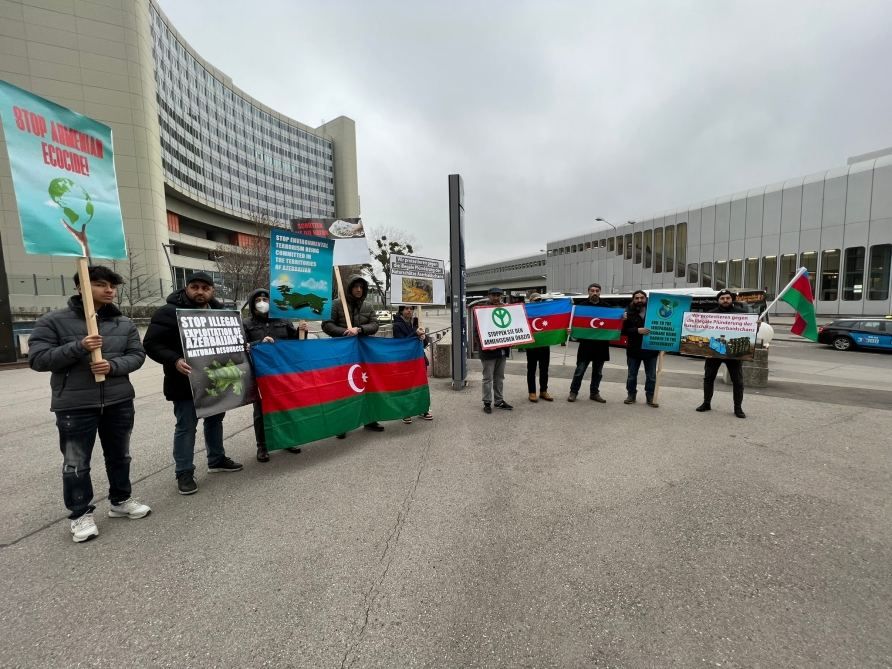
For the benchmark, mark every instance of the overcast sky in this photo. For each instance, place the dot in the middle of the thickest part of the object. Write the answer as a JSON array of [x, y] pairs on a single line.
[[557, 113]]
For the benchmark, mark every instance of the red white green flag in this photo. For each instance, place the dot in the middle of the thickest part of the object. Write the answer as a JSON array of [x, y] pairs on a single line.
[[799, 296], [549, 321]]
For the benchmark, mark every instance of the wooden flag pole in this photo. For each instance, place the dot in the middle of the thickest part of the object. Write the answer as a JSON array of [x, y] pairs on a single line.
[[83, 275], [343, 297], [302, 334], [656, 398]]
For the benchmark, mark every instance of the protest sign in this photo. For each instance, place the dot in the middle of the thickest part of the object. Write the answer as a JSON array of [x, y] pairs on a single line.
[[350, 246], [663, 318], [415, 280], [300, 276], [214, 347], [501, 326], [729, 336], [63, 174]]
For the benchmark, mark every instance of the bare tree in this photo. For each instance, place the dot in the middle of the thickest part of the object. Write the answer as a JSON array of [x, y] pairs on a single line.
[[245, 265], [386, 242], [140, 287]]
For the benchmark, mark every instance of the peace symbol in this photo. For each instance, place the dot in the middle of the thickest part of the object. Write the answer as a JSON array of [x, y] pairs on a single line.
[[501, 317]]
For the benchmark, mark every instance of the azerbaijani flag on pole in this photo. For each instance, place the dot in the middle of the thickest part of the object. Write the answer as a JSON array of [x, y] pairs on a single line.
[[799, 296], [318, 388], [593, 322], [548, 321]]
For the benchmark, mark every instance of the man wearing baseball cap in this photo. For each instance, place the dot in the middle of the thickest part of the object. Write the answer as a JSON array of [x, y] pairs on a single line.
[[494, 366]]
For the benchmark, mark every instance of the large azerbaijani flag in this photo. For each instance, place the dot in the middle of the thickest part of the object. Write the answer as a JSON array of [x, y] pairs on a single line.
[[593, 322], [548, 321], [799, 296], [318, 388]]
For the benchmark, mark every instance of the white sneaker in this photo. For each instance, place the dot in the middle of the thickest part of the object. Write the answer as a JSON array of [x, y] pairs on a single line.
[[130, 508], [84, 528]]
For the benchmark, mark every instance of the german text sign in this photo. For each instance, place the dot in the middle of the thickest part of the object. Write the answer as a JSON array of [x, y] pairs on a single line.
[[502, 325], [730, 336], [415, 280]]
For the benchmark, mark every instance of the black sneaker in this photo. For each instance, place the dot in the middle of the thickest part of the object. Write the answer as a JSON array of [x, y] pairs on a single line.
[[186, 484], [703, 407], [739, 412], [374, 427], [293, 449], [487, 408], [504, 405], [226, 465]]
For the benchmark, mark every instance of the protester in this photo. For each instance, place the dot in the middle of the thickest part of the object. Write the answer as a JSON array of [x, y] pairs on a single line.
[[163, 345], [261, 328], [362, 319], [538, 356], [711, 367], [634, 330], [592, 351], [405, 325], [494, 366], [60, 344]]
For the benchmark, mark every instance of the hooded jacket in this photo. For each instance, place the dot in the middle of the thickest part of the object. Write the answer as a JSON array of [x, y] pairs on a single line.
[[163, 345], [55, 346], [259, 325], [361, 314]]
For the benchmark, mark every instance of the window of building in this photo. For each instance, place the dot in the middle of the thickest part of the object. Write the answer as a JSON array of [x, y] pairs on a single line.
[[878, 275], [628, 246], [658, 250], [721, 268], [669, 249], [706, 274], [681, 248], [751, 273], [692, 273], [603, 243], [648, 248], [809, 260], [735, 274], [637, 248], [829, 275], [769, 275], [610, 246], [619, 245]]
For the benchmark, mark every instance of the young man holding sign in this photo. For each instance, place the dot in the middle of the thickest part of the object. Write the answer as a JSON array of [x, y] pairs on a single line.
[[711, 366], [494, 367], [60, 344]]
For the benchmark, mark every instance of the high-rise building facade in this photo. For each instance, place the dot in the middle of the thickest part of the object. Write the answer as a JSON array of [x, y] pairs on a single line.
[[199, 161]]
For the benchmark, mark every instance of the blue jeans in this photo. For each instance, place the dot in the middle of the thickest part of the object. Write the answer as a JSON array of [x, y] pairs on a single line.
[[77, 436], [650, 376], [184, 437], [597, 373]]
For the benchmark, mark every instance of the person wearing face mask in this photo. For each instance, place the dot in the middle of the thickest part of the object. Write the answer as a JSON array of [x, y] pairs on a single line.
[[260, 328]]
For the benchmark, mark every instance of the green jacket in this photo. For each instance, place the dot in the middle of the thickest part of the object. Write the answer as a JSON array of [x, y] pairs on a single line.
[[361, 314]]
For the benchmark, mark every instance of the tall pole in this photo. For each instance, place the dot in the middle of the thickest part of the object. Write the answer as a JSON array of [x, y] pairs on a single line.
[[612, 260]]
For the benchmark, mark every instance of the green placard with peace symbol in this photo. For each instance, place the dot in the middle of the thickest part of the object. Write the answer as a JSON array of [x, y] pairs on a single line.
[[501, 317]]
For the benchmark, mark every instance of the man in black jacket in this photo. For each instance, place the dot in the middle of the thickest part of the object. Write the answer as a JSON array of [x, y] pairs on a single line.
[[494, 366], [163, 345], [633, 328], [60, 344], [591, 351], [711, 366], [261, 328]]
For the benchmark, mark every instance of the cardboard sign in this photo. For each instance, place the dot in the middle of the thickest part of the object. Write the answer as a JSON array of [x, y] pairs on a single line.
[[350, 246], [730, 336], [214, 347], [300, 276], [502, 325], [415, 280], [664, 317]]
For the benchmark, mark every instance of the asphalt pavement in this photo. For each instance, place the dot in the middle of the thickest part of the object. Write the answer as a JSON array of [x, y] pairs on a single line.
[[556, 534]]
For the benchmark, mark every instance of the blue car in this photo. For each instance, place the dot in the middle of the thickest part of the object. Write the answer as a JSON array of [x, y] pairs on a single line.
[[848, 333]]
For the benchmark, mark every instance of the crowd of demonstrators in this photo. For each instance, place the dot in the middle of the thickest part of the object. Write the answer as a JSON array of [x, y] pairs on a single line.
[[634, 330], [538, 357], [259, 327], [711, 365], [84, 408], [493, 362], [362, 322], [163, 345], [591, 351], [405, 325]]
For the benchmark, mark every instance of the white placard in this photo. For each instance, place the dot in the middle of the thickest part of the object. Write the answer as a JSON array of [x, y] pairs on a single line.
[[502, 325], [415, 280]]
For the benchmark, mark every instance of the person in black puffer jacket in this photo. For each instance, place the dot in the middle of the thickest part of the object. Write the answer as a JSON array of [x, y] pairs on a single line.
[[633, 328], [261, 328], [60, 344], [163, 345], [405, 325], [711, 367]]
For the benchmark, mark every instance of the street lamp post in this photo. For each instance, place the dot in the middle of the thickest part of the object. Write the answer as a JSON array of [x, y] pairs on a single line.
[[612, 260]]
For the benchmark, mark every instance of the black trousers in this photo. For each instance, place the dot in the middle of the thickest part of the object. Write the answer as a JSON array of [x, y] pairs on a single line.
[[734, 370], [540, 356]]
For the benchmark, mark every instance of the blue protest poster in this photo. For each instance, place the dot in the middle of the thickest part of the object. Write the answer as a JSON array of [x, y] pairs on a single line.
[[664, 317], [63, 174], [300, 276]]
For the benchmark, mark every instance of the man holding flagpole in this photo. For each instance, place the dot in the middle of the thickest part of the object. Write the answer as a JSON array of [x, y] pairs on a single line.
[[591, 351]]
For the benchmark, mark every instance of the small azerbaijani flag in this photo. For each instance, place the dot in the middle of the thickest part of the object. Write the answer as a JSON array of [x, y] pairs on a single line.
[[318, 388], [548, 321], [593, 322], [799, 296]]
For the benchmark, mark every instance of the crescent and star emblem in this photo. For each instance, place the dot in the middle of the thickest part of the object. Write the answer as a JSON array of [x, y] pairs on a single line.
[[352, 382], [536, 327], [596, 323]]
